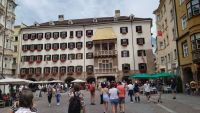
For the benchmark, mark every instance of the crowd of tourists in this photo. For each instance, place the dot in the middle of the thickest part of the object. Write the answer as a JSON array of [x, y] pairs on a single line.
[[113, 93]]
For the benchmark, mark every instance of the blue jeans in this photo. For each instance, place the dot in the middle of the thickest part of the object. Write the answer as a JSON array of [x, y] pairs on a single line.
[[58, 97]]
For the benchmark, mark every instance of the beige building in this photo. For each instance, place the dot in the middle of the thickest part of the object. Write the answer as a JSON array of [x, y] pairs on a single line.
[[166, 54], [104, 48], [7, 19]]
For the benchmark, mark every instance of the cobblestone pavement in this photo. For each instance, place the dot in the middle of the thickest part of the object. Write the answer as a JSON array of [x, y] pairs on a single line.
[[183, 104]]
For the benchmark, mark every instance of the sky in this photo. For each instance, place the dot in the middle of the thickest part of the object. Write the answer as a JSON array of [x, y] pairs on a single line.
[[30, 11]]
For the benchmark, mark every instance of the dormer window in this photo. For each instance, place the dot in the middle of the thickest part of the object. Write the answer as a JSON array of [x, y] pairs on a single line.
[[123, 30], [48, 35], [63, 35], [56, 35], [79, 34], [139, 29], [89, 33]]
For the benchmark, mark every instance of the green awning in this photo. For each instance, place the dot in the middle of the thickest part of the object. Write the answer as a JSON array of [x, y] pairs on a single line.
[[164, 74], [141, 75]]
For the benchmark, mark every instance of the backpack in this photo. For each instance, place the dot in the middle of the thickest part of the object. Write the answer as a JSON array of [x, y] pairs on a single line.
[[74, 104]]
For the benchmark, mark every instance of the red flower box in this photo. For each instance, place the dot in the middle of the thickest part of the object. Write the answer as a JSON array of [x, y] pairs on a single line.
[[38, 61], [30, 62]]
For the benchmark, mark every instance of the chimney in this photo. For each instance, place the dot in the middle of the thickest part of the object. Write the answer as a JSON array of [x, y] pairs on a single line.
[[117, 13], [60, 17]]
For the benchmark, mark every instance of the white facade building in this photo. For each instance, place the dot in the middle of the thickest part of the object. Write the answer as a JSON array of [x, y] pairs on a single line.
[[105, 48], [9, 17]]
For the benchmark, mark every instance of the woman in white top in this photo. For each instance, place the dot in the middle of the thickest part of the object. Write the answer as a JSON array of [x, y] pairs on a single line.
[[114, 98]]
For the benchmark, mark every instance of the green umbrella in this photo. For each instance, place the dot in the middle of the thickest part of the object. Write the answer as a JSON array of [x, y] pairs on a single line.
[[141, 75], [164, 74]]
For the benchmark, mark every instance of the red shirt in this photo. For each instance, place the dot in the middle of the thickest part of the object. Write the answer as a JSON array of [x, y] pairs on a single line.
[[121, 90]]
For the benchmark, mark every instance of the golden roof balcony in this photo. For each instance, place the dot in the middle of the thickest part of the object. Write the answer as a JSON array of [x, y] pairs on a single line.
[[105, 53], [105, 71]]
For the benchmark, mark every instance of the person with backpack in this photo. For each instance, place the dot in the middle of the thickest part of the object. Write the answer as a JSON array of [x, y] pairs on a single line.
[[159, 87], [76, 101], [92, 93]]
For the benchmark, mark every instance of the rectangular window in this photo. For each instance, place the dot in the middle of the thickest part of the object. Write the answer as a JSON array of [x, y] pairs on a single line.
[[175, 54], [125, 67], [185, 49], [54, 70], [79, 56], [79, 69], [139, 29], [124, 42], [55, 46], [63, 46], [15, 48], [141, 53], [140, 41], [55, 58], [55, 35], [162, 60], [79, 34], [39, 36], [63, 70], [71, 45], [63, 35], [169, 58], [46, 70], [89, 55], [89, 69], [181, 2], [89, 44], [195, 39], [184, 22], [89, 33], [142, 67], [162, 45], [16, 38], [47, 57], [71, 56], [71, 34], [48, 35], [63, 57], [125, 53], [47, 46], [38, 70], [33, 36], [123, 30], [70, 69], [79, 45]]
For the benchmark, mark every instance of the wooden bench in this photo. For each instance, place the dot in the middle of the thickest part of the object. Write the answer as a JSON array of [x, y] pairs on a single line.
[[2, 104]]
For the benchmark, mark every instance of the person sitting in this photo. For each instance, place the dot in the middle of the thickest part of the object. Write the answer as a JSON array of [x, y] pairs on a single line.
[[25, 103]]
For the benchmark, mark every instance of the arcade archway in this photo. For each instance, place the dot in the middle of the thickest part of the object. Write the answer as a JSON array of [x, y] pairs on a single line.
[[90, 79], [69, 79]]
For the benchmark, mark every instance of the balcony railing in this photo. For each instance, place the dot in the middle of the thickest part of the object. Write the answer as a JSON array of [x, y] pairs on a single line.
[[106, 71], [196, 56], [105, 53]]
